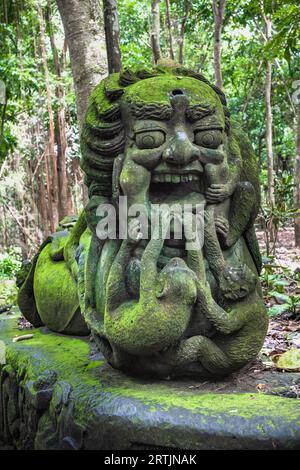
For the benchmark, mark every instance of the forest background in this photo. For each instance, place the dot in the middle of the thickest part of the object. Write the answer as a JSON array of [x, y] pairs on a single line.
[[52, 53]]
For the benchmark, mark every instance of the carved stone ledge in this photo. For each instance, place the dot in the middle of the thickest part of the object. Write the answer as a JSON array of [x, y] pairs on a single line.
[[55, 394]]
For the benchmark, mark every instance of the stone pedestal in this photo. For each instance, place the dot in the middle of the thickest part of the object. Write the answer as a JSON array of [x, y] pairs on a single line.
[[56, 394]]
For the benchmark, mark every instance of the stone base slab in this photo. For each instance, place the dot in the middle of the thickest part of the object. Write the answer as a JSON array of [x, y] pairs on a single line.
[[55, 393]]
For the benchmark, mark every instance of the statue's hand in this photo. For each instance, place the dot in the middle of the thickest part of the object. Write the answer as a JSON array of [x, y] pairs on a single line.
[[222, 226], [217, 193]]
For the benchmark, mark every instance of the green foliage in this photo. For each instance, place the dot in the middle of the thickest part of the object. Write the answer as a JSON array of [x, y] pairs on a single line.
[[18, 71], [285, 43], [22, 72], [8, 293], [284, 186], [9, 264], [288, 303], [279, 283], [283, 212], [244, 54], [134, 20]]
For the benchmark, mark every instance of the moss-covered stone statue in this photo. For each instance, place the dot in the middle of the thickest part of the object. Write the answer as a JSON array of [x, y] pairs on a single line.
[[154, 306]]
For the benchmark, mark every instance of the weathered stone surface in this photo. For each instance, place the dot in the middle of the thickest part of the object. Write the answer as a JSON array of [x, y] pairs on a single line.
[[158, 301], [55, 394]]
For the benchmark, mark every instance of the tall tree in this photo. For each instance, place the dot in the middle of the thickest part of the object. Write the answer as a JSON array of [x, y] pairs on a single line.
[[155, 30], [84, 30], [187, 8], [169, 29], [297, 180], [218, 7], [52, 182], [65, 201], [269, 117], [112, 35]]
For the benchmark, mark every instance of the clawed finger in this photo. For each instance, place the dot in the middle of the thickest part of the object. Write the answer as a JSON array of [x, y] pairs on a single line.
[[222, 232], [214, 191], [212, 199]]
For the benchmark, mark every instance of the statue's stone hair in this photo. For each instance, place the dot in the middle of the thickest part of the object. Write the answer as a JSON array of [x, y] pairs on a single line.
[[103, 136], [151, 111]]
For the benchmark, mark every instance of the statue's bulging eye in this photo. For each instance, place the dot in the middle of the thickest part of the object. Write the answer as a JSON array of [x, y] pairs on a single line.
[[210, 139], [149, 139]]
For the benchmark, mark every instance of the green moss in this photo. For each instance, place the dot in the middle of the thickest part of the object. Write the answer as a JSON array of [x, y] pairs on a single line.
[[250, 164], [92, 120], [241, 404], [96, 381], [157, 90], [8, 292], [150, 324], [94, 364], [55, 291], [67, 356], [98, 97], [103, 97]]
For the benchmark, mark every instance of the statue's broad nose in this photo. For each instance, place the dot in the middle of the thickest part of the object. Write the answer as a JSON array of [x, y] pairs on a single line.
[[180, 150]]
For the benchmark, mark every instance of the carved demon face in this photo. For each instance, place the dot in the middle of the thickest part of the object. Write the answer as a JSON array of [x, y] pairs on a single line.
[[173, 127]]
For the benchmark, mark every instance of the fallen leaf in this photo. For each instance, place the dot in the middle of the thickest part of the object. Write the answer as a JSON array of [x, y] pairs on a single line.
[[277, 351], [293, 326], [289, 360], [261, 387]]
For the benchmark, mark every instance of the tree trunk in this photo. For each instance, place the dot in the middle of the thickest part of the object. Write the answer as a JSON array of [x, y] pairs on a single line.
[[53, 184], [269, 117], [297, 180], [49, 191], [269, 134], [169, 28], [269, 129], [5, 12], [112, 35], [182, 31], [4, 226], [41, 201], [65, 201], [155, 30], [218, 10], [84, 30]]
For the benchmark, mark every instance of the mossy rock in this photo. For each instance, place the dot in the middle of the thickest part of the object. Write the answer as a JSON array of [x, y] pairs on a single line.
[[58, 397]]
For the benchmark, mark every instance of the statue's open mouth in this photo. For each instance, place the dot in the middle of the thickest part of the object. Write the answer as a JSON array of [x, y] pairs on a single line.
[[173, 178], [177, 185]]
